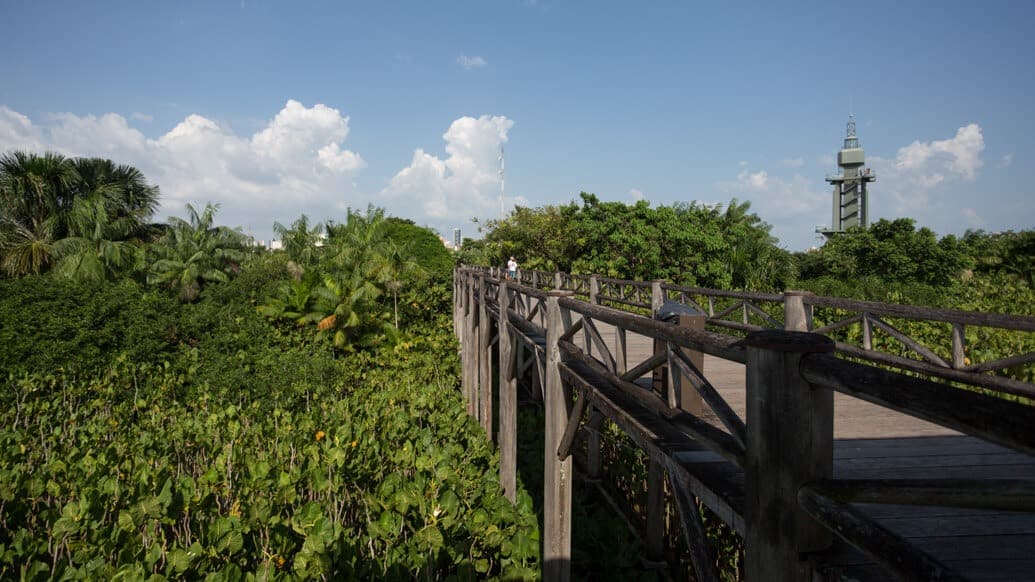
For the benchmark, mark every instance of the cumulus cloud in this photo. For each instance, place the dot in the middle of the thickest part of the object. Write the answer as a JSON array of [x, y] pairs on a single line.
[[917, 177], [793, 206], [636, 194], [471, 62], [141, 116], [295, 164], [463, 184]]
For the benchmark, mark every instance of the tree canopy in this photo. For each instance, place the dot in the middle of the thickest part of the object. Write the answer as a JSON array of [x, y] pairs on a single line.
[[691, 243]]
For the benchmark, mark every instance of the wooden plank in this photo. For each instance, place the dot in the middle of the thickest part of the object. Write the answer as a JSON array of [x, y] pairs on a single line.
[[998, 494], [1017, 322], [694, 533], [1002, 422], [890, 550]]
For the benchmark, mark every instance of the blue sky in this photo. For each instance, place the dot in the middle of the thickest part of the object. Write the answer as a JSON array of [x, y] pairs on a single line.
[[274, 108]]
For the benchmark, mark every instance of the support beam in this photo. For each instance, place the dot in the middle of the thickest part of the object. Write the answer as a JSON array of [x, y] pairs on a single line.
[[508, 398], [557, 473]]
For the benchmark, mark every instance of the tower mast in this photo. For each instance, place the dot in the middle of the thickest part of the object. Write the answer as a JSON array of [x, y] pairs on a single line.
[[502, 188], [851, 203]]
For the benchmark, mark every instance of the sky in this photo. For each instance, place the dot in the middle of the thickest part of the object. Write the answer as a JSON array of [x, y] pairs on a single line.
[[274, 109]]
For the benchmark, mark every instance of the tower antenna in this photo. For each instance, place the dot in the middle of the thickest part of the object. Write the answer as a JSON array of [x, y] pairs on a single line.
[[502, 182]]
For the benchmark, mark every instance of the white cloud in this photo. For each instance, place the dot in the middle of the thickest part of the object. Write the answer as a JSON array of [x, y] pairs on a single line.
[[917, 178], [471, 62], [1005, 161], [142, 116], [464, 184], [296, 164], [636, 195], [17, 132], [793, 162], [960, 155], [791, 205]]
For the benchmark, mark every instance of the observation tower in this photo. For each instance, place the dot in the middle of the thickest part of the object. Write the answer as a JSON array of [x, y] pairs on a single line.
[[851, 202]]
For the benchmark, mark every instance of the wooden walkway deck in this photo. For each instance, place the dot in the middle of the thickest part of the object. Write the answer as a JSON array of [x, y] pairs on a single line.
[[873, 442]]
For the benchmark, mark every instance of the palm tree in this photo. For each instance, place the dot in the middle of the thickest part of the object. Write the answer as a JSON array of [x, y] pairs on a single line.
[[394, 265], [40, 197], [342, 310], [301, 242], [98, 246], [125, 191], [34, 198], [194, 252]]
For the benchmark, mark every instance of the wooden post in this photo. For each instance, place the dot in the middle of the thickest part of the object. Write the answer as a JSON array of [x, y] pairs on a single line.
[[655, 538], [593, 459], [470, 370], [594, 290], [557, 474], [484, 361], [794, 316], [959, 352], [659, 377], [687, 397], [558, 280], [621, 351], [508, 399], [790, 437]]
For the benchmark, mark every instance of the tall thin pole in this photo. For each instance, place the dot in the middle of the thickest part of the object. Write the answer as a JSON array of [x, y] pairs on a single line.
[[502, 188]]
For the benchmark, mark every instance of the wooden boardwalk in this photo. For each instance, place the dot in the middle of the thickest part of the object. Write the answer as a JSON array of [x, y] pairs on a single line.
[[873, 442]]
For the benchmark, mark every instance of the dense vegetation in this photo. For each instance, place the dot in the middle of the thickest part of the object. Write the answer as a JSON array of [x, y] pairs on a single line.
[[692, 244], [177, 404]]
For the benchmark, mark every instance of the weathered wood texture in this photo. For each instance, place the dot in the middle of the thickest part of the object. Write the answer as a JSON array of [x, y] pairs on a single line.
[[879, 456]]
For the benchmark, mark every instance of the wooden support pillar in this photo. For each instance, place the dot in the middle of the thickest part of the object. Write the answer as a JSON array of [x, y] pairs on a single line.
[[558, 280], [795, 315], [790, 437], [594, 290], [484, 360], [508, 399], [659, 377], [621, 351], [469, 372], [682, 389], [594, 463], [557, 473], [655, 538]]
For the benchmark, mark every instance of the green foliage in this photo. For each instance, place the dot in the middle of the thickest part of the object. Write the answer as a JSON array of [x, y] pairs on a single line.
[[363, 262], [301, 242], [48, 323], [685, 243], [195, 252], [237, 451], [894, 251], [1009, 253], [87, 216], [423, 245]]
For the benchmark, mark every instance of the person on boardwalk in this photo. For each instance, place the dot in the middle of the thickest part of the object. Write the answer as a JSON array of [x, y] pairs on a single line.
[[511, 269]]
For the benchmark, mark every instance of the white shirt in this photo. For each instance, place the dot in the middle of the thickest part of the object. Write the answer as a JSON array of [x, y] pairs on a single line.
[[512, 265]]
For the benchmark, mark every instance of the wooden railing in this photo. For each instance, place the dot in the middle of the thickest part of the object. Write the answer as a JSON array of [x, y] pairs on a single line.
[[795, 310], [770, 479]]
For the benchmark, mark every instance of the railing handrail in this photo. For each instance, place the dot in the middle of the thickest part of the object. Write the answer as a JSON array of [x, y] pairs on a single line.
[[790, 381], [957, 368]]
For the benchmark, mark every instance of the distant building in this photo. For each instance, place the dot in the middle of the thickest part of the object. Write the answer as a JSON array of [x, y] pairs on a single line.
[[851, 202]]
